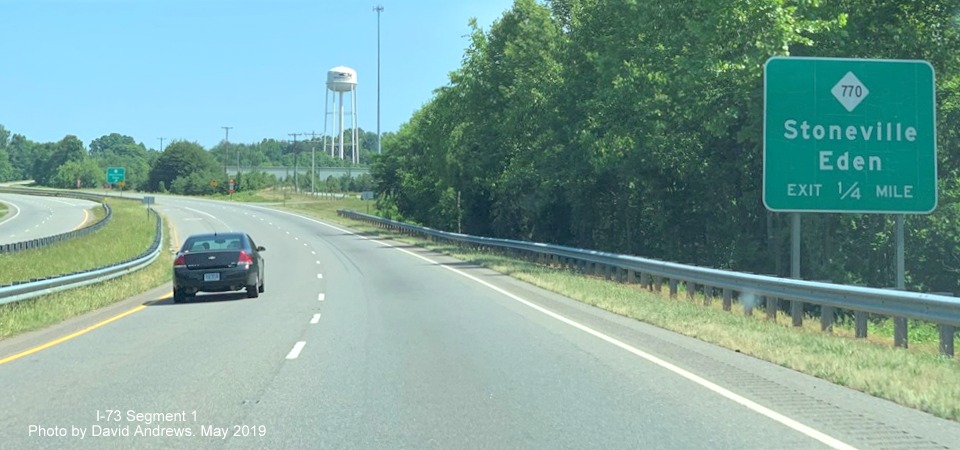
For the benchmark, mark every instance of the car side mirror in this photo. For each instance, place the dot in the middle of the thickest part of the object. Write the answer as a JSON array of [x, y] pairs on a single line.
[[261, 248]]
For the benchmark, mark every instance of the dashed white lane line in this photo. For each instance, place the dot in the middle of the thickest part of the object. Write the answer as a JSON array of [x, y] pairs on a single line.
[[813, 433], [318, 262], [313, 252], [321, 297], [315, 319], [295, 352], [288, 232], [319, 276]]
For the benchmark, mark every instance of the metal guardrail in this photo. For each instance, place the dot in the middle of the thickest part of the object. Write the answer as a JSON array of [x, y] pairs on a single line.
[[47, 240], [23, 290], [942, 310]]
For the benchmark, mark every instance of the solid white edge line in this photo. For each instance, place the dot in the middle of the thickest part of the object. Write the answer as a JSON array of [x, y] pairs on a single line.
[[743, 401], [315, 319], [296, 350], [14, 216], [208, 215]]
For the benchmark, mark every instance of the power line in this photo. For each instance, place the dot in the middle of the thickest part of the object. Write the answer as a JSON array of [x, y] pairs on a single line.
[[313, 162], [226, 139], [296, 160]]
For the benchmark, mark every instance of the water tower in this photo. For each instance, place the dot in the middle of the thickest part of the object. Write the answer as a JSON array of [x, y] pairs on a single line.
[[341, 80]]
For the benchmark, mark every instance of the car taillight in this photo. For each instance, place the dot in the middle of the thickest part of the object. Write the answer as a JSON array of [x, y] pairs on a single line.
[[181, 261], [244, 259]]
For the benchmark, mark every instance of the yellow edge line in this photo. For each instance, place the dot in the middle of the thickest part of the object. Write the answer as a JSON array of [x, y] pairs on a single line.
[[176, 239], [73, 335], [61, 340], [86, 215]]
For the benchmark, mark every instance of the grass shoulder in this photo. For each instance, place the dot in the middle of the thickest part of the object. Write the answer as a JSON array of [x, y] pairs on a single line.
[[917, 377], [322, 206]]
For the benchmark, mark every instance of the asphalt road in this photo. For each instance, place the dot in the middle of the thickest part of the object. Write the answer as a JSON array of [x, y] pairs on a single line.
[[362, 343], [32, 216]]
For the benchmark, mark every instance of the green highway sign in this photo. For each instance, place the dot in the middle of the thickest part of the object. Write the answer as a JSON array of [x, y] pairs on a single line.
[[116, 174], [849, 135]]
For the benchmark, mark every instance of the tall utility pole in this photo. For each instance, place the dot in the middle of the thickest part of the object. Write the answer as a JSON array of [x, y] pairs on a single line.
[[296, 160], [313, 162], [378, 9], [161, 143], [227, 140]]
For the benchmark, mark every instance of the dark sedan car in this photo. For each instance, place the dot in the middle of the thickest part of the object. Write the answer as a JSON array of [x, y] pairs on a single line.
[[217, 262]]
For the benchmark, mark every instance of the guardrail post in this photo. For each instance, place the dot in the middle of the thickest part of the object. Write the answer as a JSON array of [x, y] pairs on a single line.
[[727, 299], [899, 329], [771, 305], [860, 324], [796, 312], [946, 332], [707, 295], [691, 289], [946, 339], [900, 332], [673, 288], [826, 318], [752, 301], [644, 280], [631, 276], [657, 284]]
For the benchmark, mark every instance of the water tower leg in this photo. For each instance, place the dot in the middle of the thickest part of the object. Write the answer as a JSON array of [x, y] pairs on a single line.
[[356, 136], [341, 125]]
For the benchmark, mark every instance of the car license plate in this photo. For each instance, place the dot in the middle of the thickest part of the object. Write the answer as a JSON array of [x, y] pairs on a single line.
[[211, 276]]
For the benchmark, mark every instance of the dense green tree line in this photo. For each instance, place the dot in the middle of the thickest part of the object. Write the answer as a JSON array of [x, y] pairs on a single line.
[[182, 167], [636, 127]]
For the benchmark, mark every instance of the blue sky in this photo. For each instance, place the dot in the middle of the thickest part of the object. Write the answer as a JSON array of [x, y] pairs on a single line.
[[182, 69]]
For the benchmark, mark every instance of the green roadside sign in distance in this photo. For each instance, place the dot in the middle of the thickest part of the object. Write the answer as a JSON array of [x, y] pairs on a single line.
[[849, 135], [116, 174]]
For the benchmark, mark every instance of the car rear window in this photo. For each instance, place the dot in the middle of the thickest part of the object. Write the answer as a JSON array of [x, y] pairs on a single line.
[[213, 243]]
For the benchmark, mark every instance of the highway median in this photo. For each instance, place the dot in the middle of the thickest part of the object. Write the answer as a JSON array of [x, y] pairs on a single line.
[[129, 234]]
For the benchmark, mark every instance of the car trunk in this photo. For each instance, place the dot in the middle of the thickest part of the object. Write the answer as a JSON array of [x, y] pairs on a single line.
[[212, 260]]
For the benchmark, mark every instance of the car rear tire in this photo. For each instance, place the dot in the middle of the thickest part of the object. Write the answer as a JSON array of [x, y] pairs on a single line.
[[178, 297], [260, 289], [253, 291]]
